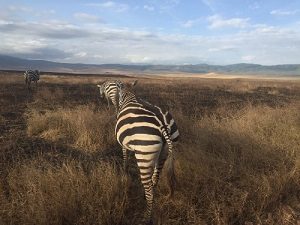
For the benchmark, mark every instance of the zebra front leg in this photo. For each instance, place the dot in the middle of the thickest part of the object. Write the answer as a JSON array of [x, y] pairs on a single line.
[[108, 103], [125, 159]]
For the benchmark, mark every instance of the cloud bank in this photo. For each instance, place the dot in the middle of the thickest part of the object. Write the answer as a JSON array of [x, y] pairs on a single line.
[[90, 40]]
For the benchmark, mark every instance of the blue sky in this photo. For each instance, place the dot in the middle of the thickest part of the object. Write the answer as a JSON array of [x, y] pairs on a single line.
[[152, 31]]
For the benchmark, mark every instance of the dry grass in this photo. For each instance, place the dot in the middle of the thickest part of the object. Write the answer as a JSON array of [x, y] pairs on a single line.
[[41, 194], [237, 162], [81, 127]]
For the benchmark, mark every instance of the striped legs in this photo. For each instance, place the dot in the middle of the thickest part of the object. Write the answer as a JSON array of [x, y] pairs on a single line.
[[108, 103], [125, 158], [159, 165], [146, 164]]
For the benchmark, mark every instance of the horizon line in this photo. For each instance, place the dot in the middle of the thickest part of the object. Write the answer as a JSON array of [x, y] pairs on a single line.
[[149, 64]]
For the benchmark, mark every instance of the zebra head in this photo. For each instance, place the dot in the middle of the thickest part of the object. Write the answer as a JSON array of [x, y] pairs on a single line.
[[101, 89], [110, 90]]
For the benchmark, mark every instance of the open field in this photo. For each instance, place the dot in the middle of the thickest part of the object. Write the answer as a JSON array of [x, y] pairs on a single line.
[[237, 161]]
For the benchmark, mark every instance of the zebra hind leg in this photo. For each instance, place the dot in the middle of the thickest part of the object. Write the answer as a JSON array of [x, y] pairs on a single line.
[[159, 165], [146, 170], [125, 159]]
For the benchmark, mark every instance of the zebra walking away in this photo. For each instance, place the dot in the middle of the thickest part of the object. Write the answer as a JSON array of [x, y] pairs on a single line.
[[141, 128], [109, 90], [31, 75]]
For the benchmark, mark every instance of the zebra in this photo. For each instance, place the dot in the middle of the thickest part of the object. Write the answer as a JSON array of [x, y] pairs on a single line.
[[31, 75], [145, 129], [109, 89]]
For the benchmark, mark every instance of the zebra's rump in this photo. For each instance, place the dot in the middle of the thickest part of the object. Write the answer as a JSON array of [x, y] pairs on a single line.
[[165, 117], [145, 112], [138, 132]]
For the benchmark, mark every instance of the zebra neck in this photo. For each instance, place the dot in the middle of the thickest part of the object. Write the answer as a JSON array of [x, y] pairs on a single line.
[[126, 98]]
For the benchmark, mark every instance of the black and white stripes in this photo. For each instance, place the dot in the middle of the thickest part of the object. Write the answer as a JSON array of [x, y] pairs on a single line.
[[109, 89], [146, 130], [31, 75]]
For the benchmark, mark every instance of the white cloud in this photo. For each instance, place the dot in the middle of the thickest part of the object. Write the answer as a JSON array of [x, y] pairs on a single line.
[[217, 21], [279, 12], [190, 23], [209, 4], [50, 29], [18, 8], [80, 54], [86, 17], [248, 58], [222, 48], [66, 42], [114, 6], [148, 7]]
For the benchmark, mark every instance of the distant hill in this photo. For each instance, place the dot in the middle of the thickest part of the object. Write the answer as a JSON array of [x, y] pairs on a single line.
[[14, 63]]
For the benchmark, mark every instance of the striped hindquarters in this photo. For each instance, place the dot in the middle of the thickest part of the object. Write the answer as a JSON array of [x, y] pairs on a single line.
[[169, 122], [166, 118], [138, 128]]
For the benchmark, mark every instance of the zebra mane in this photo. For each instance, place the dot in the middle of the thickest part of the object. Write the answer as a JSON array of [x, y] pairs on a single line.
[[124, 96]]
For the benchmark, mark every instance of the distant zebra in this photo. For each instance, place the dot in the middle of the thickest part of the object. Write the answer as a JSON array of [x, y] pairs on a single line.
[[145, 129], [109, 89], [31, 75]]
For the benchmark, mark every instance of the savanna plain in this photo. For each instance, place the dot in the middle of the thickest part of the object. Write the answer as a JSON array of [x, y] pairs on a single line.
[[237, 160]]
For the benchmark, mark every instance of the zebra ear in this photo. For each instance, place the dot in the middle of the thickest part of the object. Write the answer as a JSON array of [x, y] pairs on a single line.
[[99, 85], [134, 83]]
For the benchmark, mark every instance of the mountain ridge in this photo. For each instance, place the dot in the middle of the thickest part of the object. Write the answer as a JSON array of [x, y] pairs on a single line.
[[15, 63]]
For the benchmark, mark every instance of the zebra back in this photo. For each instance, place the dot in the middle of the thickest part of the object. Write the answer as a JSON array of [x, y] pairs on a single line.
[[126, 98], [113, 90]]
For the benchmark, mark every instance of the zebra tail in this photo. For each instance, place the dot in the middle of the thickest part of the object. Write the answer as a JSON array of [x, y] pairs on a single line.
[[170, 164]]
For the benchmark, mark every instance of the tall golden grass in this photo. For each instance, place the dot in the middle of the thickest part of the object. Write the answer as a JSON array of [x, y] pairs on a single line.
[[41, 194], [81, 127]]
